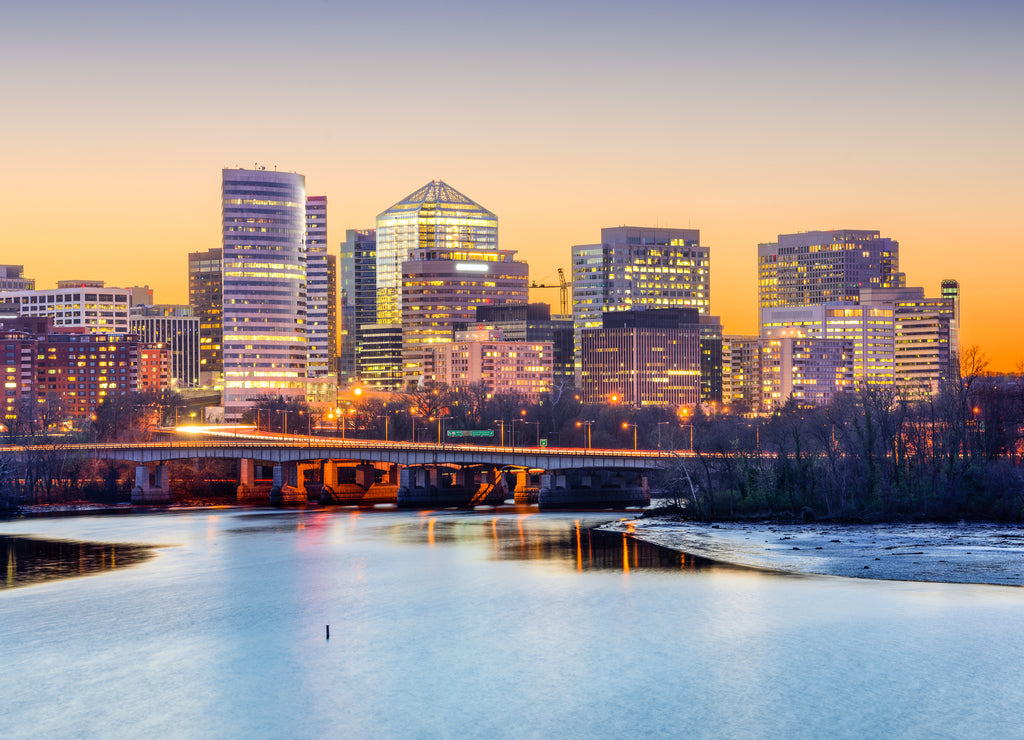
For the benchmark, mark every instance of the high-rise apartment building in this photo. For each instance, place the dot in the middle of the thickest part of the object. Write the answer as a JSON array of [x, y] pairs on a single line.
[[643, 358], [90, 306], [206, 296], [951, 291], [264, 226], [176, 328], [808, 370], [358, 267], [318, 320], [437, 216], [816, 267], [443, 286], [636, 268]]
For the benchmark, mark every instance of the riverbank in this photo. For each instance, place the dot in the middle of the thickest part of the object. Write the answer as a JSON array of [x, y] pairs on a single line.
[[939, 553]]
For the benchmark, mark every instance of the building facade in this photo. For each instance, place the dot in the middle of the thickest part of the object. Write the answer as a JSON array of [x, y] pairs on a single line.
[[436, 216], [358, 297], [643, 358], [637, 268], [869, 330], [264, 299], [483, 356], [532, 322], [741, 372], [92, 307], [12, 277], [808, 371], [319, 360], [817, 267], [177, 328], [206, 296], [444, 286]]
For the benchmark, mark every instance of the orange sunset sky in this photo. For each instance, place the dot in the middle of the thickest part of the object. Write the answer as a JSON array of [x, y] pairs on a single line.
[[742, 119]]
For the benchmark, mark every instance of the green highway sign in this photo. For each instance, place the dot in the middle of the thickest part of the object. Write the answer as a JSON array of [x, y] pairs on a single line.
[[470, 432]]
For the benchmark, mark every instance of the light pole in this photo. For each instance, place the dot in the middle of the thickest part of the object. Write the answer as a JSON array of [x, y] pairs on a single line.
[[691, 434], [537, 423], [627, 425], [385, 417], [586, 424], [659, 431], [440, 429], [502, 423]]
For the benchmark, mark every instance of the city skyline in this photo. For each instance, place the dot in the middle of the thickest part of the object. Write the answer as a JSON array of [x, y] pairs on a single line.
[[743, 121]]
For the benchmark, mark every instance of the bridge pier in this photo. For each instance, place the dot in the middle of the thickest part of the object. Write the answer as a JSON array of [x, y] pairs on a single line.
[[246, 491], [156, 492], [424, 487], [593, 489], [289, 486]]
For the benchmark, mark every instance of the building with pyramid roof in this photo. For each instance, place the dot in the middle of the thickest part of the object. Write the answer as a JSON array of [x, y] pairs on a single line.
[[436, 215]]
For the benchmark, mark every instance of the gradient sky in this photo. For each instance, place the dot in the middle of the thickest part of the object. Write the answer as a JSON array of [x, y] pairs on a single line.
[[743, 119]]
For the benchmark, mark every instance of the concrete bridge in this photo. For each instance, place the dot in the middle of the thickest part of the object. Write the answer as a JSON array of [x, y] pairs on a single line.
[[415, 475]]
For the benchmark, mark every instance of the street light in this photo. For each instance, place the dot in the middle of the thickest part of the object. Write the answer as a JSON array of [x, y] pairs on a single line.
[[587, 424], [627, 425], [537, 423], [691, 434], [659, 431], [385, 417], [502, 423]]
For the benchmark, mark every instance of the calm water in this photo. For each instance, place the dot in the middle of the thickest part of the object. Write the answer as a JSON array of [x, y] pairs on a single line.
[[492, 624]]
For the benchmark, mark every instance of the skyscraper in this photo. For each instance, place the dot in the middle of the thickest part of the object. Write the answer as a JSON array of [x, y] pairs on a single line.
[[206, 296], [638, 267], [435, 216], [358, 267], [264, 222], [817, 267], [318, 360]]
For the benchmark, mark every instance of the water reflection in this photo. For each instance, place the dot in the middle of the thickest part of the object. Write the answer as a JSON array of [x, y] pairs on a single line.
[[572, 542], [30, 561]]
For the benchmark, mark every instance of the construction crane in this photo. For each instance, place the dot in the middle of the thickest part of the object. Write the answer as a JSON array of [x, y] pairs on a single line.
[[563, 290]]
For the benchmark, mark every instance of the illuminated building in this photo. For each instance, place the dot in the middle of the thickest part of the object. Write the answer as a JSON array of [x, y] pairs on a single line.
[[264, 225], [643, 358], [19, 372], [177, 328], [741, 371], [710, 359], [531, 322], [808, 370], [924, 335], [520, 369], [12, 277], [77, 371], [154, 369], [635, 268], [951, 291], [380, 356], [205, 295], [89, 306], [358, 296], [869, 330], [443, 286], [816, 267], [320, 360], [436, 216]]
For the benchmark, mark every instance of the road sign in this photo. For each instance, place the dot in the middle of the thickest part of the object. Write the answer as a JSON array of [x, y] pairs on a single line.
[[543, 443], [470, 432]]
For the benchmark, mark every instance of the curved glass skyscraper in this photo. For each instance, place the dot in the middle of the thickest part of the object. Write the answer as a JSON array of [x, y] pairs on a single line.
[[264, 221]]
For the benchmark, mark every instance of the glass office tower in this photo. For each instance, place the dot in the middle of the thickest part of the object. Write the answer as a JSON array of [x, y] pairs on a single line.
[[436, 215], [264, 222]]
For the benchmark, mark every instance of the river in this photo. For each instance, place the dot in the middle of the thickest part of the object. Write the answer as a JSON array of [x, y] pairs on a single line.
[[506, 623]]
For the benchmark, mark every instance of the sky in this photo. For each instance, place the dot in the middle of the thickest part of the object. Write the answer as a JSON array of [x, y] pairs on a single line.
[[742, 119]]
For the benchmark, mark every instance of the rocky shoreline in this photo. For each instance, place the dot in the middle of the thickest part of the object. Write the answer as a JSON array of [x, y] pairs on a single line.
[[941, 553]]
